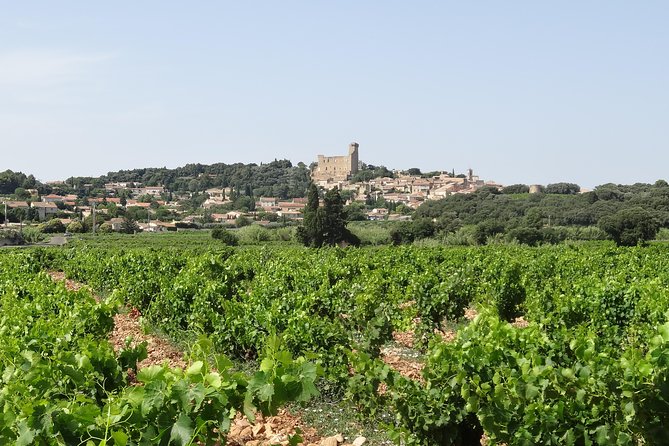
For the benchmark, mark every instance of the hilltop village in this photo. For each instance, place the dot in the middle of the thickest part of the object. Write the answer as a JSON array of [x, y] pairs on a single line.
[[183, 198]]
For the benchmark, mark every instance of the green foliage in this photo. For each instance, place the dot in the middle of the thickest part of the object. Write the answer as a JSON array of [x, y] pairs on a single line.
[[562, 188], [253, 235], [507, 291], [278, 178], [486, 229], [369, 172], [242, 221], [32, 234], [62, 383], [524, 389], [325, 225], [129, 226], [75, 227], [334, 219], [588, 366], [105, 228], [10, 181], [355, 212], [441, 296], [629, 227], [407, 232], [52, 226], [310, 232], [371, 233], [516, 189], [561, 206], [224, 235], [526, 236], [11, 237]]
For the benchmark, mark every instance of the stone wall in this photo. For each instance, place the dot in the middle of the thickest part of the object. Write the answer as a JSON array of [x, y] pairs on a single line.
[[337, 168]]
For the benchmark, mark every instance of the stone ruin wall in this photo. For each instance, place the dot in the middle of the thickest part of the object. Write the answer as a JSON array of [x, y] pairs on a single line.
[[337, 168]]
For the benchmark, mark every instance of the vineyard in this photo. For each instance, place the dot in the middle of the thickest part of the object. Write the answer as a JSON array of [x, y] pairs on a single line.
[[561, 345]]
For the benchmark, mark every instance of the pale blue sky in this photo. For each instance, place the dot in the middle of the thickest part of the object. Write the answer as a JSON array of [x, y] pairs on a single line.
[[520, 91]]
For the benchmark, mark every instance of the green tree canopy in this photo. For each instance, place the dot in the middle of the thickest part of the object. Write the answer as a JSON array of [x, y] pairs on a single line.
[[325, 225], [629, 227]]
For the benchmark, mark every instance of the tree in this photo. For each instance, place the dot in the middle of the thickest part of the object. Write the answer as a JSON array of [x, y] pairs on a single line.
[[242, 221], [310, 232], [408, 231], [516, 189], [487, 228], [563, 188], [355, 212], [129, 226], [630, 227], [21, 194], [334, 218], [325, 225]]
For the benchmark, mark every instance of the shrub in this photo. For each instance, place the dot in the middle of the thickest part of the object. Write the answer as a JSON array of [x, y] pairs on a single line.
[[371, 234], [407, 232], [10, 237], [225, 236], [75, 227], [52, 227], [526, 236], [32, 235], [105, 228], [253, 234], [462, 237], [242, 221]]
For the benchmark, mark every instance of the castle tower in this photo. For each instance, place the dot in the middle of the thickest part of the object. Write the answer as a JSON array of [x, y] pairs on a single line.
[[353, 157]]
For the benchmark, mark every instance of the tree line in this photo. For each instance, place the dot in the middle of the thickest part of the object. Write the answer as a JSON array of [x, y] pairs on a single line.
[[627, 213]]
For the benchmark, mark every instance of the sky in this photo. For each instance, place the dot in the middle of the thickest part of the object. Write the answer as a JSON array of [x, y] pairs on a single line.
[[520, 91]]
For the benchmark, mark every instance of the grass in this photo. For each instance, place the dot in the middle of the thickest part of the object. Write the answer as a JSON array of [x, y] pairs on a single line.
[[331, 415]]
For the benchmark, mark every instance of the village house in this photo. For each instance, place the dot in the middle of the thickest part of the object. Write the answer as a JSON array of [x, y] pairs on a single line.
[[219, 218], [115, 224], [267, 202], [443, 191], [45, 210], [120, 185], [377, 214], [216, 194], [52, 198], [421, 185], [17, 205], [287, 206], [290, 214], [210, 203], [154, 191], [154, 226], [138, 204]]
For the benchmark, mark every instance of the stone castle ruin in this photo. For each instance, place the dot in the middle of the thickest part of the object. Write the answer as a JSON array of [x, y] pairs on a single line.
[[337, 168]]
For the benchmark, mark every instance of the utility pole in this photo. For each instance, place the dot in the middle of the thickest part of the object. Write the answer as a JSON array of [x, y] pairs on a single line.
[[5, 215]]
